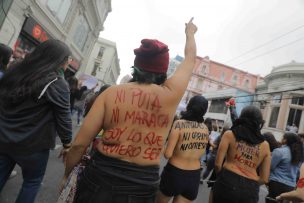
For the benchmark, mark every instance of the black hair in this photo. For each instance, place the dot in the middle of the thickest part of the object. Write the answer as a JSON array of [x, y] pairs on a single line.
[[253, 114], [143, 77], [196, 109], [269, 137], [5, 55], [208, 123], [214, 127], [301, 135], [293, 141], [73, 83], [248, 126], [28, 77]]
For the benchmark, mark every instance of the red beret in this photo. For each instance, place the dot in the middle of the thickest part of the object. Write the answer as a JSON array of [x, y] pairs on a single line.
[[152, 56]]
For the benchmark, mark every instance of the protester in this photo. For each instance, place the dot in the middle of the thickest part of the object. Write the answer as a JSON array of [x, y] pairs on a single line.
[[81, 100], [293, 128], [215, 133], [208, 123], [213, 137], [73, 84], [34, 107], [5, 55], [187, 143], [136, 118], [269, 137], [295, 195], [285, 165], [91, 100], [245, 151]]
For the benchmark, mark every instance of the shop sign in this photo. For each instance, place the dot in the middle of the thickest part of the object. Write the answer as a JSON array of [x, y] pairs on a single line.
[[35, 30]]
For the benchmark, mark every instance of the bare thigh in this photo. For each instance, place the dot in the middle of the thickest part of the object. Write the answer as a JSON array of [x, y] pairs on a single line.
[[181, 199], [161, 198]]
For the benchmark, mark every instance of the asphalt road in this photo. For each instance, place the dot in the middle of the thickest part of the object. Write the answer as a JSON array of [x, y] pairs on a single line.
[[49, 189]]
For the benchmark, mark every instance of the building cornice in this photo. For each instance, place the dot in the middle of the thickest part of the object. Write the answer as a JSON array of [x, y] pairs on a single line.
[[290, 73]]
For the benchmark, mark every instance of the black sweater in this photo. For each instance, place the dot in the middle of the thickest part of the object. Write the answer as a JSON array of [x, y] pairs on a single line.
[[32, 125]]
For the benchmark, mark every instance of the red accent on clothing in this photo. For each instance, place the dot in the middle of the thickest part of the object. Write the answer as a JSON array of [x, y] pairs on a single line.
[[152, 56]]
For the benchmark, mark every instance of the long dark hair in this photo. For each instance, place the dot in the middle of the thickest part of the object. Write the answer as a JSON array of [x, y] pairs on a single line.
[[5, 55], [269, 137], [248, 126], [27, 77], [196, 109], [293, 141], [144, 77]]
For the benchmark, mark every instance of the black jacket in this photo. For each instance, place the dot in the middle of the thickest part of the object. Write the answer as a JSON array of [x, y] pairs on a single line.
[[32, 125]]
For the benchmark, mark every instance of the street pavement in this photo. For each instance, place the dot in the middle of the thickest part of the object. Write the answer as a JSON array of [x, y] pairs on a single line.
[[49, 189]]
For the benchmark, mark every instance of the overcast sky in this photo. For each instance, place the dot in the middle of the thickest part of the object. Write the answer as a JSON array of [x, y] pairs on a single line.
[[226, 30]]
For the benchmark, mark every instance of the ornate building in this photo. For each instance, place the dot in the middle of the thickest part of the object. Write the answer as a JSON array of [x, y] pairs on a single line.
[[24, 24], [210, 76], [103, 62], [281, 98]]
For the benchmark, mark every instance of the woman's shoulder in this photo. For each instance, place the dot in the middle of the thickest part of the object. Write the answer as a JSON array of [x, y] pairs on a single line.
[[229, 134], [57, 86]]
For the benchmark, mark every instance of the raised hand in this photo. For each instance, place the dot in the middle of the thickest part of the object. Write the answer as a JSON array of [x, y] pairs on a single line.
[[190, 28]]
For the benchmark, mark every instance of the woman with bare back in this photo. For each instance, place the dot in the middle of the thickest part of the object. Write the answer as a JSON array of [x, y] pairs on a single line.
[[136, 118], [245, 151], [186, 144]]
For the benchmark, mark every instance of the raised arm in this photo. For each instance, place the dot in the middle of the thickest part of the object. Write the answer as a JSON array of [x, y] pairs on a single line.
[[179, 81]]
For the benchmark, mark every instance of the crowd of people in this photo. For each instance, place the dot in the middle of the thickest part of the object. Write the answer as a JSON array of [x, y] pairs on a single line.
[[135, 124]]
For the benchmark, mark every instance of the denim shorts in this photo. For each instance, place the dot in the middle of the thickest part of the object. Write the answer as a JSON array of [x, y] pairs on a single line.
[[233, 188]]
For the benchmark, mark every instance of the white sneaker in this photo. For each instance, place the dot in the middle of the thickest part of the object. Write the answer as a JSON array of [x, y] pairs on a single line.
[[13, 174]]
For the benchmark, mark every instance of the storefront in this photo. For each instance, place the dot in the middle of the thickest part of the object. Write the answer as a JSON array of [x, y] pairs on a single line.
[[31, 35]]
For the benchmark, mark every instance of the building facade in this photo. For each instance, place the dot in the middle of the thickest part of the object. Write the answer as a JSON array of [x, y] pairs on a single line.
[[210, 76], [24, 24], [103, 62], [281, 98], [217, 109]]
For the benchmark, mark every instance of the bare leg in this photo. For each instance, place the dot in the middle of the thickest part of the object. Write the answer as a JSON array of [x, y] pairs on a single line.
[[181, 199], [161, 198], [210, 197]]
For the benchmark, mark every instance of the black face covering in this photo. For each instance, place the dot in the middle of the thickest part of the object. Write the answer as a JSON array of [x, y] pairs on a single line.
[[248, 130]]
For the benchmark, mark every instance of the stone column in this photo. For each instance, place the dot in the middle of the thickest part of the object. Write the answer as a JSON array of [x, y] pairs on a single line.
[[283, 113]]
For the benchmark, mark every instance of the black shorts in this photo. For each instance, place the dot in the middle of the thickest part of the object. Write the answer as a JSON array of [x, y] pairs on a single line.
[[175, 181]]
